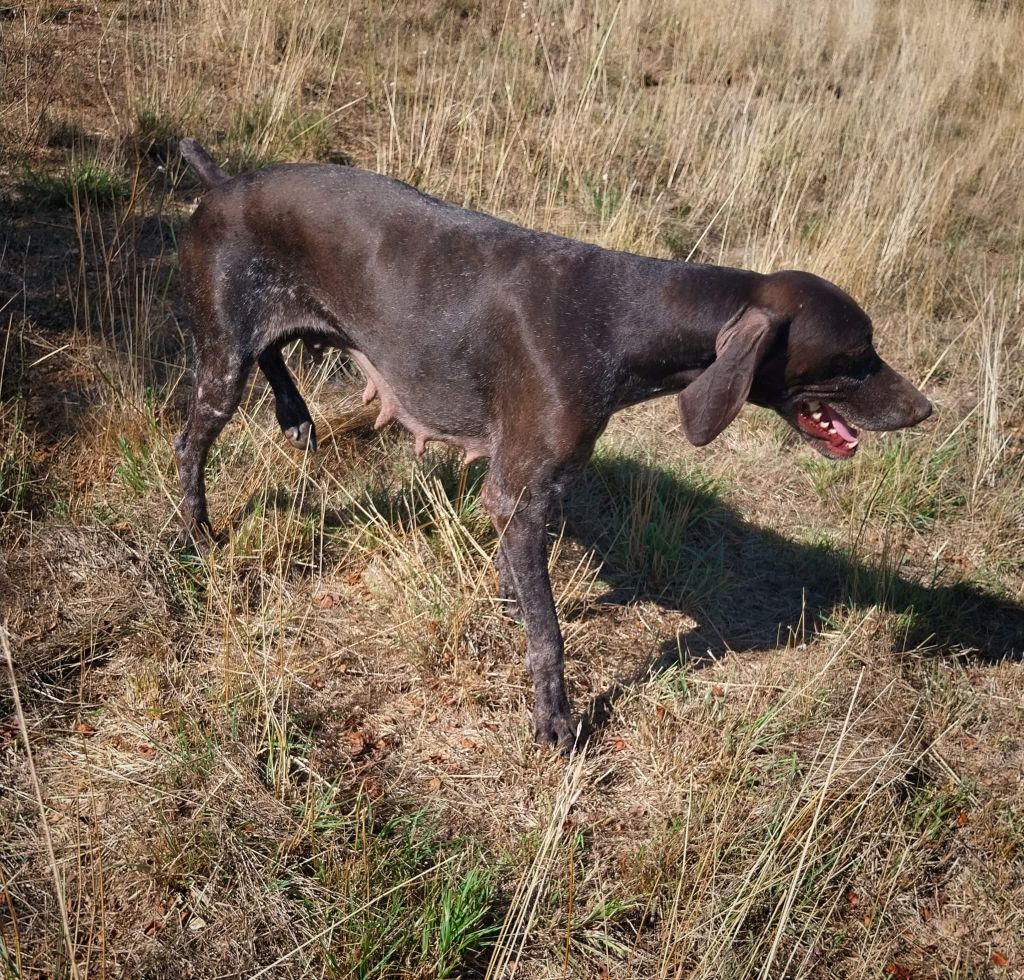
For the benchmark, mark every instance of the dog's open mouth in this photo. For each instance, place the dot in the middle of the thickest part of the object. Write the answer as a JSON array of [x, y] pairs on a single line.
[[826, 429]]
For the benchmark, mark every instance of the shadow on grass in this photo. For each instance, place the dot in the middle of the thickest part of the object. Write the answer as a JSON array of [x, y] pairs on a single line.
[[86, 266], [669, 538], [666, 539]]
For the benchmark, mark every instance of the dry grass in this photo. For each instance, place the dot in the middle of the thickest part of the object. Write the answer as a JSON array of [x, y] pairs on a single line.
[[308, 754]]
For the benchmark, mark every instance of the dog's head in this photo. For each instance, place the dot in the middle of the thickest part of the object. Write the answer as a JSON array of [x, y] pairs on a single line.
[[803, 348]]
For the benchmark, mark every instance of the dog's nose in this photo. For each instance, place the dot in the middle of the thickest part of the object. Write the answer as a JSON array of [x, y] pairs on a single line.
[[922, 409]]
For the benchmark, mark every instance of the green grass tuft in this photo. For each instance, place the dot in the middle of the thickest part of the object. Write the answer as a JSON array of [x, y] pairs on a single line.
[[651, 521], [15, 458], [905, 483], [83, 184]]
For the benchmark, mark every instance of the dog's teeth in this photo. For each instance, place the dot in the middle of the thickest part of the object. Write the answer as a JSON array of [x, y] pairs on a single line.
[[816, 416], [852, 445], [823, 425]]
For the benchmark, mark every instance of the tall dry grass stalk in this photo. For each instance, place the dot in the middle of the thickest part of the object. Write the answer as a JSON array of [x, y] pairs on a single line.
[[999, 342], [535, 879], [59, 884], [842, 139]]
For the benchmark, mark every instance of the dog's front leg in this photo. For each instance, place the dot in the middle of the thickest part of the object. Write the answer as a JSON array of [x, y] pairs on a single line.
[[506, 587], [521, 520]]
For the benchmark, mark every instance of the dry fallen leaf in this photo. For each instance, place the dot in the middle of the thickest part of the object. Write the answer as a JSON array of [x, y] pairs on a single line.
[[895, 970], [467, 743], [618, 745], [435, 783], [961, 819], [84, 728], [356, 741], [997, 959], [718, 691], [327, 600], [147, 751], [852, 899]]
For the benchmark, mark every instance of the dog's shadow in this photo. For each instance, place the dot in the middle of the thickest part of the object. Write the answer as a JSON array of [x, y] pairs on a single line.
[[665, 539], [672, 540]]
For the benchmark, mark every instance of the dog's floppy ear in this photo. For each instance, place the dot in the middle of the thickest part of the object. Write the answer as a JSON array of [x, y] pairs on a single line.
[[710, 403]]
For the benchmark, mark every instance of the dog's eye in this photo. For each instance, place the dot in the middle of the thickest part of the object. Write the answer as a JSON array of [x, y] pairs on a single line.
[[847, 366]]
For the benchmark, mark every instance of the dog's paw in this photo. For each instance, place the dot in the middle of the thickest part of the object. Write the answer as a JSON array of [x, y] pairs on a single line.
[[302, 436], [555, 728], [196, 538]]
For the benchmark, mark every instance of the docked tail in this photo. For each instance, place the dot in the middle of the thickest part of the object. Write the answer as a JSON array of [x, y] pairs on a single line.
[[202, 163]]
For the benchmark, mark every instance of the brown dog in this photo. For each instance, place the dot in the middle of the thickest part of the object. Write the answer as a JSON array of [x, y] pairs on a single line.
[[511, 344]]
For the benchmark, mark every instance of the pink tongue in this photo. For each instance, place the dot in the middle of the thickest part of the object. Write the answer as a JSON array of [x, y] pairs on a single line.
[[839, 425]]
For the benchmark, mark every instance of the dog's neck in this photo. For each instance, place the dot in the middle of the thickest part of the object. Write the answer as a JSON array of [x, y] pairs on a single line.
[[668, 342]]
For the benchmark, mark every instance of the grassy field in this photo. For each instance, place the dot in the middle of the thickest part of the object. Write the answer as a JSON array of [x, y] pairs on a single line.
[[308, 754]]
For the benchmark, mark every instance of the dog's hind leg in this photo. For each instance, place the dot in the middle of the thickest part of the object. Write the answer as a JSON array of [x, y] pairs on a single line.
[[220, 382], [292, 413]]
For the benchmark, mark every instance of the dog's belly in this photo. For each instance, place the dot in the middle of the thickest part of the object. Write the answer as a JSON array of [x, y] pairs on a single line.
[[392, 410]]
